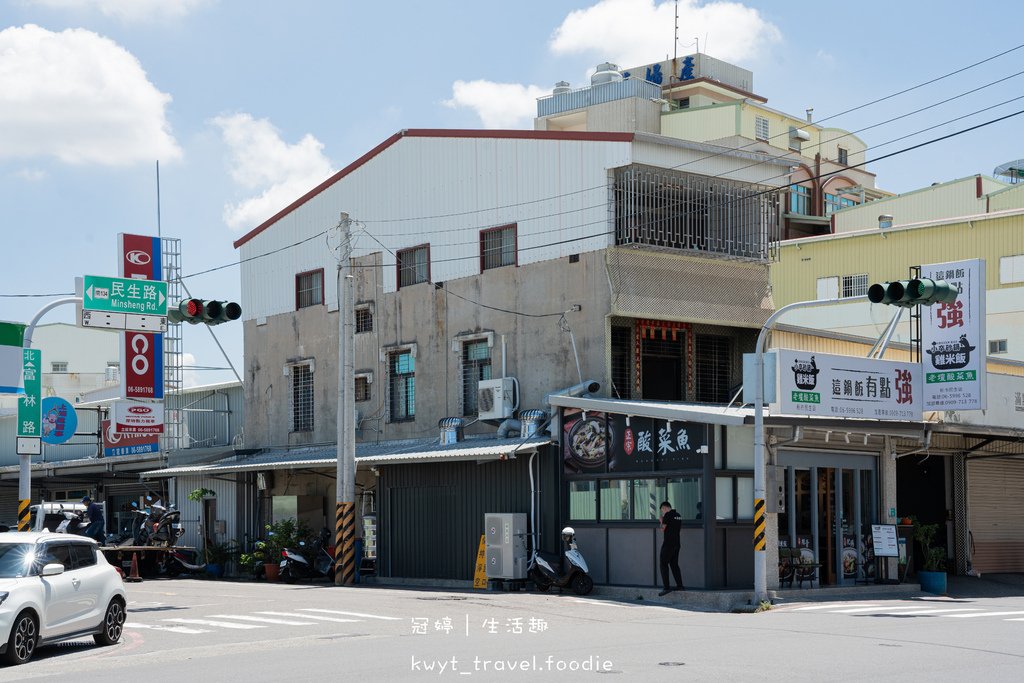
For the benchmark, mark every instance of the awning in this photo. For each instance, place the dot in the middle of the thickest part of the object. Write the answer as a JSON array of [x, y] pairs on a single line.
[[663, 410], [385, 453]]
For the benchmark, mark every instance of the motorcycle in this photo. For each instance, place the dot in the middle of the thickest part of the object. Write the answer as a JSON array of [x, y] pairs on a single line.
[[73, 523], [294, 564], [544, 575], [177, 563], [159, 526]]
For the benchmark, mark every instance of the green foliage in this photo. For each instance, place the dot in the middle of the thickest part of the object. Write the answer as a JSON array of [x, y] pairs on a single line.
[[197, 495], [285, 533], [934, 559], [220, 553]]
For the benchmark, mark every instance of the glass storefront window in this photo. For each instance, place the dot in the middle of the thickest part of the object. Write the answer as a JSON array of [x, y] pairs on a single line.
[[614, 499], [723, 499], [685, 496], [646, 500], [583, 500], [744, 498]]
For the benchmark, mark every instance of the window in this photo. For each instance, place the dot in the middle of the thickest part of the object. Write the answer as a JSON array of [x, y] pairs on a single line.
[[622, 361], [761, 128], [476, 366], [854, 285], [59, 366], [1011, 269], [800, 200], [54, 553], [835, 202], [362, 388], [714, 361], [583, 500], [997, 346], [309, 289], [682, 103], [413, 265], [734, 498], [498, 247], [113, 373], [364, 319], [844, 157], [634, 500], [300, 407], [85, 555], [402, 369], [828, 287]]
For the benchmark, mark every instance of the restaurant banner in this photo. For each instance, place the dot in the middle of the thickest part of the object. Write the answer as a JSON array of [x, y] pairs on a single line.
[[595, 443]]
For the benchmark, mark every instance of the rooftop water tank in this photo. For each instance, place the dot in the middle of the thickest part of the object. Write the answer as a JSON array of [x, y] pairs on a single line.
[[561, 87], [606, 73]]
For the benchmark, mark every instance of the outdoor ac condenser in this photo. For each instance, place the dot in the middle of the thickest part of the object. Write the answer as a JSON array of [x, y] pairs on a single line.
[[496, 398], [505, 536]]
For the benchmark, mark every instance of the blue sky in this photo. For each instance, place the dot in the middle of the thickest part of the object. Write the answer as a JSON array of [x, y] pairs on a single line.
[[247, 105]]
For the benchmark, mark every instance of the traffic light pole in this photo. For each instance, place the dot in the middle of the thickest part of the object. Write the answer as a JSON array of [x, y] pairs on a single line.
[[345, 514], [760, 550]]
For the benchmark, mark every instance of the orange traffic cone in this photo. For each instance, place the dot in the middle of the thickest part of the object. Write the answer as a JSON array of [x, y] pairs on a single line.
[[133, 576]]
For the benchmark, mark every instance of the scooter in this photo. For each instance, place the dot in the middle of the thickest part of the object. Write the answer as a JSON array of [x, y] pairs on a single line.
[[294, 564], [177, 563], [544, 575], [159, 526], [74, 523]]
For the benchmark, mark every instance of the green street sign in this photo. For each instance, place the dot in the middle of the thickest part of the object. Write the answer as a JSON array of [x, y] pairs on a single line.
[[124, 295], [30, 404]]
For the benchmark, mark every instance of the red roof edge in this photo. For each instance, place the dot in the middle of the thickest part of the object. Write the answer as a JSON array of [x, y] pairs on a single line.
[[433, 133]]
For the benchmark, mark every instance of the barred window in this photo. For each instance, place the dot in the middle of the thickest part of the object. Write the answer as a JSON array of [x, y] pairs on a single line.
[[402, 371], [498, 247], [362, 391], [712, 368], [761, 128], [476, 366], [364, 319], [309, 289], [855, 285], [300, 406], [622, 361], [413, 265]]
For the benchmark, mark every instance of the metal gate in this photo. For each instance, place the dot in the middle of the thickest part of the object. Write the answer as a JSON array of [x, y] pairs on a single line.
[[995, 489]]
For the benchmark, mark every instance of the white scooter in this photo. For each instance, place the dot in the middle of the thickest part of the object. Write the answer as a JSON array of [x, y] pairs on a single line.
[[544, 575]]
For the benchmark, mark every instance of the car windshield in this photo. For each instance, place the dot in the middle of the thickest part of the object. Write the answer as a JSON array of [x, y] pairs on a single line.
[[16, 560]]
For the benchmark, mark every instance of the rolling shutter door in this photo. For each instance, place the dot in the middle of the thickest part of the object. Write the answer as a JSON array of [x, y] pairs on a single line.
[[996, 508]]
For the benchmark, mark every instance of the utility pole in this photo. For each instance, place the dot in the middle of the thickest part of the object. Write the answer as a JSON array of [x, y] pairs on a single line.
[[345, 514]]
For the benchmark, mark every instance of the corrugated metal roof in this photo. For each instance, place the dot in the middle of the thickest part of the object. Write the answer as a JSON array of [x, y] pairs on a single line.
[[384, 453]]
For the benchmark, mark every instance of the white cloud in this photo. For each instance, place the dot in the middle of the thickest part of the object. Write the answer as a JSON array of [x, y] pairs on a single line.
[[636, 32], [261, 161], [79, 97], [499, 105], [189, 378], [129, 10], [33, 175]]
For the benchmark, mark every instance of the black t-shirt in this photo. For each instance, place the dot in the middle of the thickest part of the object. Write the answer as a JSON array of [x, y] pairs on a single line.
[[672, 522], [94, 513]]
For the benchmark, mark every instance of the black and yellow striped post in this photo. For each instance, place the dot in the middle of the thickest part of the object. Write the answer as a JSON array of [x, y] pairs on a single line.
[[23, 514], [759, 524], [345, 544]]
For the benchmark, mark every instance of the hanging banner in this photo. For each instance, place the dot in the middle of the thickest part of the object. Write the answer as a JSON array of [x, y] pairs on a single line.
[[845, 386], [953, 343], [142, 353]]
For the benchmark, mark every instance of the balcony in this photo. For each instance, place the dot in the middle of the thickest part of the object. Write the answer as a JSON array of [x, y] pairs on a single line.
[[596, 94]]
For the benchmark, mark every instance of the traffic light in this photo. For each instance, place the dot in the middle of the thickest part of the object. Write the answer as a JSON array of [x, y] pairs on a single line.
[[195, 311], [908, 293]]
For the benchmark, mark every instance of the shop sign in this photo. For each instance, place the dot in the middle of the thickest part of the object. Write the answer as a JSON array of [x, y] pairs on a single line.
[[596, 443], [953, 342], [132, 417], [844, 386], [115, 444]]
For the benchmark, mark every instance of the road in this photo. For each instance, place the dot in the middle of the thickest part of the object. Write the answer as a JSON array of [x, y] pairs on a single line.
[[196, 630]]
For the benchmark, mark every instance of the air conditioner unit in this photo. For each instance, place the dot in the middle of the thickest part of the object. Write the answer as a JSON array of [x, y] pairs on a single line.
[[496, 398]]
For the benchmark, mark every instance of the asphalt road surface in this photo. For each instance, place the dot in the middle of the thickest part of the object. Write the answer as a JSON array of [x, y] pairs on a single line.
[[194, 631]]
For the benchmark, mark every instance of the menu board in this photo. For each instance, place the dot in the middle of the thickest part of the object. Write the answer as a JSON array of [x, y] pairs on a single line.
[[883, 538]]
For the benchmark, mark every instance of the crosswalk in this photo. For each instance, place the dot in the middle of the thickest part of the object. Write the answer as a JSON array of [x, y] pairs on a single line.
[[303, 616], [909, 610]]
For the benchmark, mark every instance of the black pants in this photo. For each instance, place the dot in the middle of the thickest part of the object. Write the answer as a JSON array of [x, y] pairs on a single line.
[[670, 559]]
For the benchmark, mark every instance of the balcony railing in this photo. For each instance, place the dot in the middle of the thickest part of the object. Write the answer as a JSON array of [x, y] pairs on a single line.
[[596, 94]]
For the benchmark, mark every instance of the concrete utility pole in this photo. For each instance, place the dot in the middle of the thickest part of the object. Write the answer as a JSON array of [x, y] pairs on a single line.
[[345, 514]]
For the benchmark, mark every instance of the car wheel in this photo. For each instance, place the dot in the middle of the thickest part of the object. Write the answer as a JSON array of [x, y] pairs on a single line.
[[113, 624], [23, 640]]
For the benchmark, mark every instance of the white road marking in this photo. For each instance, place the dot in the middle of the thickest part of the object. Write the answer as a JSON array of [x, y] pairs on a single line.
[[938, 611], [208, 622], [265, 620], [829, 606], [982, 614], [1013, 619], [172, 629], [355, 614], [882, 610], [311, 616]]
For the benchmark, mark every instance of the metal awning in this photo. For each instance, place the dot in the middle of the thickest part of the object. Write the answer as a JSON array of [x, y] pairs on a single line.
[[663, 410], [385, 453]]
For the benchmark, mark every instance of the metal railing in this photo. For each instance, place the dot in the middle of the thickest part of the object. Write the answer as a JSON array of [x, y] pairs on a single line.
[[597, 94]]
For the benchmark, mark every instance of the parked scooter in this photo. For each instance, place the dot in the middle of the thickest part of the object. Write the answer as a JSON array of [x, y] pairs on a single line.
[[544, 575], [74, 523], [294, 564], [160, 526]]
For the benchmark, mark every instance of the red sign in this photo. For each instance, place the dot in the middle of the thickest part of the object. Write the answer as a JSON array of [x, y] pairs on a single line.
[[142, 353], [627, 441]]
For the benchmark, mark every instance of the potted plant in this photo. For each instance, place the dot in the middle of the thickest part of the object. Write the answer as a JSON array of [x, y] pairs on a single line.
[[933, 560], [218, 556], [285, 533]]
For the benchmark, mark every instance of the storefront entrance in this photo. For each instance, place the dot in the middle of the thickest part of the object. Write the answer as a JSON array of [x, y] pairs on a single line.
[[830, 506]]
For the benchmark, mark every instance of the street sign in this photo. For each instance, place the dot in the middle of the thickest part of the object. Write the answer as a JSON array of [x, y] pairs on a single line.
[[11, 341], [124, 321], [30, 404], [132, 417], [125, 295]]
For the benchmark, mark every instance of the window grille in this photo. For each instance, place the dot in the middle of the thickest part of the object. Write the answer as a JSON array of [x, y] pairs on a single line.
[[364, 320], [362, 389], [622, 362], [476, 366], [402, 371], [713, 365], [761, 128], [413, 266], [498, 247], [854, 285], [301, 403], [309, 289]]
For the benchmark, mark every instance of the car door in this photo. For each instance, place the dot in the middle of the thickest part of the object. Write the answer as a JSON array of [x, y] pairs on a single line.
[[60, 592], [93, 578]]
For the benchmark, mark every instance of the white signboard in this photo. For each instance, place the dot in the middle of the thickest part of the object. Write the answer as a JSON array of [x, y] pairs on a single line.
[[136, 417], [844, 386], [953, 344], [883, 540]]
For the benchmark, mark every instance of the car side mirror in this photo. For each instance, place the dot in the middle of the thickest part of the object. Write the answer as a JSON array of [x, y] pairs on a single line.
[[53, 569]]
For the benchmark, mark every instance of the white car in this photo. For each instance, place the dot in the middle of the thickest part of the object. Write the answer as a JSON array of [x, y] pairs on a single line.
[[55, 587]]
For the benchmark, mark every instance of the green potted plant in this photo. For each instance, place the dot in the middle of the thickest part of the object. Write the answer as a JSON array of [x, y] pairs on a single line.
[[218, 556], [933, 560], [285, 533]]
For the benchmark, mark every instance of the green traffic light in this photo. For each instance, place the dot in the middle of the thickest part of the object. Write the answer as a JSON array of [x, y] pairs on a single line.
[[906, 293]]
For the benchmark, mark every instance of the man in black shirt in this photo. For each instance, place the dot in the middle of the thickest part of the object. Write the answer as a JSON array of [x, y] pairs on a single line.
[[670, 524], [94, 513]]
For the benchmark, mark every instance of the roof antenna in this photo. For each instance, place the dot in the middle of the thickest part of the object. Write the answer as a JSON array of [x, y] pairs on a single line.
[[675, 42]]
